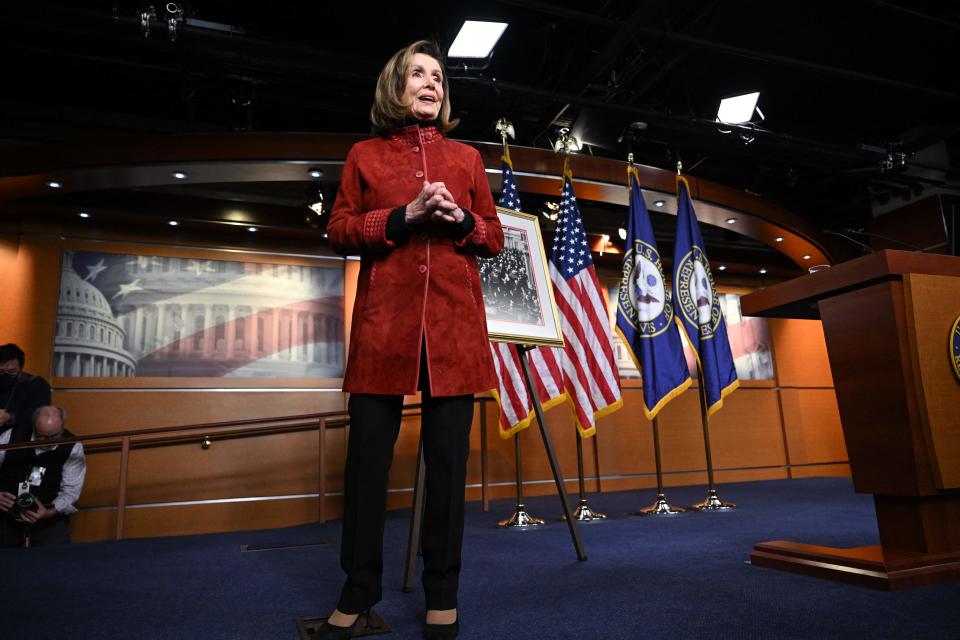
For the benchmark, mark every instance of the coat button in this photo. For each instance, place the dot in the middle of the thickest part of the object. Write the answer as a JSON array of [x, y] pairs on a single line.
[[422, 268], [416, 149], [419, 174]]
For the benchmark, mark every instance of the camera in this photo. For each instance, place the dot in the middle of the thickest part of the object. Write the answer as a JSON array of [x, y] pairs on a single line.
[[25, 502]]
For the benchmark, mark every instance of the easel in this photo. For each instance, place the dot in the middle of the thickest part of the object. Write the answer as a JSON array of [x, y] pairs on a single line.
[[416, 521]]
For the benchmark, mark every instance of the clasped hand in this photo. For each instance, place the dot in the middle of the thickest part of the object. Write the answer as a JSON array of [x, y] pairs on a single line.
[[434, 204]]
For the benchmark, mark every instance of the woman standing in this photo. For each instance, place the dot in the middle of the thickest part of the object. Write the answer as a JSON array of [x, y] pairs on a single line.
[[418, 210]]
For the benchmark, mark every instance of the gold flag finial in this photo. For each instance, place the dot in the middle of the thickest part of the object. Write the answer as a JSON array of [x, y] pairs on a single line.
[[679, 167], [505, 128], [630, 157]]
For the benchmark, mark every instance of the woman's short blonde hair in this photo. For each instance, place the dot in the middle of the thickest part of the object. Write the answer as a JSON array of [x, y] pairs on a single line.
[[388, 111]]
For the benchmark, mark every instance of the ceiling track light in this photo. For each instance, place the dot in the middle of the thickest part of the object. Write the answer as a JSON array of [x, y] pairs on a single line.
[[179, 175], [173, 223], [315, 173], [317, 205], [731, 221], [174, 19], [659, 203], [566, 143], [551, 211], [84, 215], [53, 184]]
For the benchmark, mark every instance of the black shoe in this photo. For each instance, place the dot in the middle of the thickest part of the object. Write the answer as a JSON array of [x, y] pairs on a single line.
[[328, 631], [441, 631]]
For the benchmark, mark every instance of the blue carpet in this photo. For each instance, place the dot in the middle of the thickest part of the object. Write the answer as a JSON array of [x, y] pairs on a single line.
[[682, 577]]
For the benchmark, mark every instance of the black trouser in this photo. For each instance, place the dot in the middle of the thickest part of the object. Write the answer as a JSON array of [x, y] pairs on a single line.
[[374, 425], [55, 530]]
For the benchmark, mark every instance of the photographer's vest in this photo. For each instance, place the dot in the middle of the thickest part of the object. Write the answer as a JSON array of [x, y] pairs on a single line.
[[19, 462]]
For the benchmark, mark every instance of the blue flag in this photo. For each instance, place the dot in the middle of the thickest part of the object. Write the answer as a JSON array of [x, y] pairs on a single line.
[[645, 312], [698, 306]]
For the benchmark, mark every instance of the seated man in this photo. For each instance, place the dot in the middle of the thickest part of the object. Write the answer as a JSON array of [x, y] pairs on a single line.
[[53, 474], [20, 392]]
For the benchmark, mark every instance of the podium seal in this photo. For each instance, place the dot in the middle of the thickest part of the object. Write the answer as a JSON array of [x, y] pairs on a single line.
[[955, 347]]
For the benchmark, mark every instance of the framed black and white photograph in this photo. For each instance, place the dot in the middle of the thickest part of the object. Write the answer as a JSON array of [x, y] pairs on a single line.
[[517, 292]]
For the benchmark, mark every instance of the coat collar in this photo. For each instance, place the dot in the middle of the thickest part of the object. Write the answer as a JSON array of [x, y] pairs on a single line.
[[414, 134]]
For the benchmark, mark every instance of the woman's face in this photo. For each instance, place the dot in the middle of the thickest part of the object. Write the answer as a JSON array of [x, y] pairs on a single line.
[[424, 91]]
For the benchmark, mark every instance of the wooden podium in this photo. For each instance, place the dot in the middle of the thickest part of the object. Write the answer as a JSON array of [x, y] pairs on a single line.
[[887, 319]]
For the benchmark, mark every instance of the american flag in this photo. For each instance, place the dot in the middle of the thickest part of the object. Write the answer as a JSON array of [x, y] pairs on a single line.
[[516, 410], [591, 378]]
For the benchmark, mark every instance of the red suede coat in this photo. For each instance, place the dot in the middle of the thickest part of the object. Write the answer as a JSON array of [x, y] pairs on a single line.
[[427, 288]]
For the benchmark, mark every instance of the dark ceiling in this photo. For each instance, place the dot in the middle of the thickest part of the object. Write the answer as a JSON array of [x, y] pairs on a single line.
[[845, 86]]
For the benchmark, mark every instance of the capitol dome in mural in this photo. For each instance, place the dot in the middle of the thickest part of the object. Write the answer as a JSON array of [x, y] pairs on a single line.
[[89, 340]]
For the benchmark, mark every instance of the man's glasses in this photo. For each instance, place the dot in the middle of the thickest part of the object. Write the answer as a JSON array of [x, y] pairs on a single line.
[[38, 437]]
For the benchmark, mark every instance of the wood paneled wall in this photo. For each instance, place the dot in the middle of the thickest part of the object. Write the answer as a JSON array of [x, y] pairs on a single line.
[[784, 428]]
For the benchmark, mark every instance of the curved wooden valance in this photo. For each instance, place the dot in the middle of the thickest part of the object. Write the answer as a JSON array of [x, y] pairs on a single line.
[[131, 162]]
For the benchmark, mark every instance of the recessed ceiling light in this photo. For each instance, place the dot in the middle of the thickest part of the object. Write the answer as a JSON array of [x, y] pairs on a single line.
[[83, 214], [476, 39], [316, 173], [763, 269], [731, 221], [722, 267], [173, 223], [324, 235], [806, 257], [778, 239], [252, 229], [53, 184], [659, 203], [179, 175]]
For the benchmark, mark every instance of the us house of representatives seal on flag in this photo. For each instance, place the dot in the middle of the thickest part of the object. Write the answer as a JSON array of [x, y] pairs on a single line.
[[697, 299], [955, 347], [643, 296]]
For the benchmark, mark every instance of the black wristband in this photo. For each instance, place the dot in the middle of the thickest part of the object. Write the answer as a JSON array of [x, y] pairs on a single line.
[[464, 228], [397, 228]]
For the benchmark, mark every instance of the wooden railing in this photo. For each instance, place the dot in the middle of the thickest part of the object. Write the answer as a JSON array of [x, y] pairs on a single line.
[[125, 441]]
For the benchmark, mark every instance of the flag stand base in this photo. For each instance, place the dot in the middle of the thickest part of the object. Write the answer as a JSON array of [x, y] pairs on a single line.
[[521, 518], [713, 503], [584, 513], [659, 508]]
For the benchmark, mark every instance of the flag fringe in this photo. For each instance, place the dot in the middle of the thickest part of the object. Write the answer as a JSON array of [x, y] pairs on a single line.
[[650, 414], [523, 424], [716, 406]]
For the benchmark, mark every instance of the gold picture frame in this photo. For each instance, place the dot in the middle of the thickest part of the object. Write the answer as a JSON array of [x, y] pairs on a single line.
[[517, 290]]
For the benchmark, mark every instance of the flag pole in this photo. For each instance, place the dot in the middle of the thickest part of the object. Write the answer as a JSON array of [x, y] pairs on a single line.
[[583, 512], [520, 517], [660, 507], [712, 502], [522, 350], [565, 142]]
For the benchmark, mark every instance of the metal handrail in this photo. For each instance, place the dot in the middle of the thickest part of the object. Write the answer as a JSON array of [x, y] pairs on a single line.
[[132, 439]]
